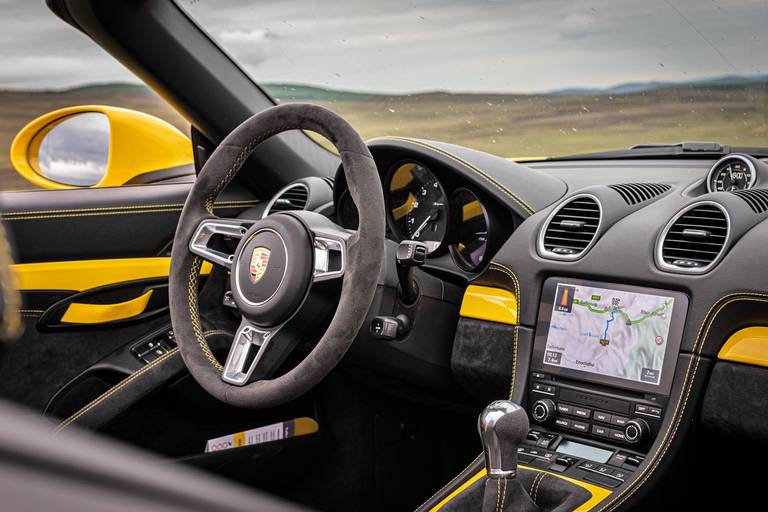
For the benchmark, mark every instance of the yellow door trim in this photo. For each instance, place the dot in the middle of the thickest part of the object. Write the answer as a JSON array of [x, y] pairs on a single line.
[[78, 313], [86, 274], [748, 345], [598, 494], [492, 304]]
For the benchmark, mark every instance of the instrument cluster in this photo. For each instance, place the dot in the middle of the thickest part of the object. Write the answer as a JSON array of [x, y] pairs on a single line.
[[446, 215]]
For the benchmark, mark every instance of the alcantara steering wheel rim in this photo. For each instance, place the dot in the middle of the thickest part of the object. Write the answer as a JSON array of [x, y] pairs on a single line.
[[360, 254]]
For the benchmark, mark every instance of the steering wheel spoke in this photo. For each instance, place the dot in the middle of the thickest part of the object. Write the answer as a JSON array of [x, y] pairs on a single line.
[[202, 241], [248, 349]]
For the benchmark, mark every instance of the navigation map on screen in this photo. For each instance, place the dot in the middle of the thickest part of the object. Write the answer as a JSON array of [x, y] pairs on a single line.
[[609, 332]]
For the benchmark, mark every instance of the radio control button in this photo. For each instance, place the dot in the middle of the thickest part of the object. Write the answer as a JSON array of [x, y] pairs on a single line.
[[619, 421], [543, 410], [618, 435], [602, 416], [580, 426], [636, 430], [563, 423], [599, 430], [564, 409], [581, 412]]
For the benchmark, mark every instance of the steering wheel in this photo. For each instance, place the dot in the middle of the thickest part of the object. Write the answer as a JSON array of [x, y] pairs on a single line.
[[278, 264]]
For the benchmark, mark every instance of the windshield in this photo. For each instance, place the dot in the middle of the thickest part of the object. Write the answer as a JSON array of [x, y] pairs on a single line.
[[518, 78]]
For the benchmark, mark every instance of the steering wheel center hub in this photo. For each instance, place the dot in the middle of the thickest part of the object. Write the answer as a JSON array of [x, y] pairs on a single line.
[[272, 270]]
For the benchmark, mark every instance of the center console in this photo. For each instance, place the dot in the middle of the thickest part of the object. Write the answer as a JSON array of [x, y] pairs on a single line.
[[601, 372]]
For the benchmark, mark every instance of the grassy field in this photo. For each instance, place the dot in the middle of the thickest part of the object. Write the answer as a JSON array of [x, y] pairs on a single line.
[[505, 124]]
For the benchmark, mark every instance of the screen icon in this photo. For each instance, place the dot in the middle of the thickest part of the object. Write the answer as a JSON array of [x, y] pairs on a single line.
[[564, 298]]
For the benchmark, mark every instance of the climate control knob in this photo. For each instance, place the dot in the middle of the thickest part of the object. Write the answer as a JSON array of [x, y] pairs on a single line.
[[636, 430], [543, 410]]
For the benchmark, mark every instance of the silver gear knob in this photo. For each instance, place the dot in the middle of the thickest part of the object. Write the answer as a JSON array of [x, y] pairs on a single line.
[[503, 426]]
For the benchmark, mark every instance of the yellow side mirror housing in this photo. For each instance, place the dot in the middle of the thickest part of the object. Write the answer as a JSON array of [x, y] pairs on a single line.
[[94, 146]]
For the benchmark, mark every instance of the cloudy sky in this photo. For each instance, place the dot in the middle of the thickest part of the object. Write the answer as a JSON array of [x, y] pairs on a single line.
[[413, 45]]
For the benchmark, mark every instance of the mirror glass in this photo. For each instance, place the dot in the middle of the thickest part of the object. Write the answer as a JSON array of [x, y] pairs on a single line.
[[75, 150]]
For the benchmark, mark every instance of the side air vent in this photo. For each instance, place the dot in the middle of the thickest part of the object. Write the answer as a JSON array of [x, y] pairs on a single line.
[[635, 193], [570, 229], [693, 241], [756, 198], [293, 197]]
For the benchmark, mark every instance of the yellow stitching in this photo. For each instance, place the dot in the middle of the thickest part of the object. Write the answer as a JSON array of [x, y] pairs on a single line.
[[195, 316], [451, 481], [217, 333], [538, 486], [513, 276], [503, 495], [477, 171], [126, 207], [530, 491], [498, 493], [115, 389], [31, 311], [114, 212], [687, 388]]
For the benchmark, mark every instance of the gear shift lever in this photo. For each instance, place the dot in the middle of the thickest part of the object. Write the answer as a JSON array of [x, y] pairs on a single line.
[[503, 425]]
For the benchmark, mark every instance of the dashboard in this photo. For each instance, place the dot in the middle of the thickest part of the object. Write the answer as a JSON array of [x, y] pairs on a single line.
[[628, 275]]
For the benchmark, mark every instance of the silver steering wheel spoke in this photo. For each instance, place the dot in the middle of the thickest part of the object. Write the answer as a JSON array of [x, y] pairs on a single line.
[[208, 229], [247, 351]]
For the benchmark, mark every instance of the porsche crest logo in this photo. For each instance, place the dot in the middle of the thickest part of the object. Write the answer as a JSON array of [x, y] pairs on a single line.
[[259, 263]]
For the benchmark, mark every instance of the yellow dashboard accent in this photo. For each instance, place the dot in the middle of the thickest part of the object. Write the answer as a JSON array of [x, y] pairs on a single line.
[[527, 158], [491, 304], [78, 313], [598, 494], [161, 145], [404, 209], [86, 274], [748, 346]]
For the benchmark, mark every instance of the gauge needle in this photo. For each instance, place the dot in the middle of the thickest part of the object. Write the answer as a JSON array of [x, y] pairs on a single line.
[[417, 233]]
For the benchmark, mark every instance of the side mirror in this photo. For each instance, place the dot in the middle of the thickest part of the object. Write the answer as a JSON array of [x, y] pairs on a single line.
[[97, 146]]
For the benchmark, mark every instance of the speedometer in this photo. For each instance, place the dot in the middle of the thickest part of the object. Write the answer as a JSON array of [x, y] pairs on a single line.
[[417, 204], [733, 172]]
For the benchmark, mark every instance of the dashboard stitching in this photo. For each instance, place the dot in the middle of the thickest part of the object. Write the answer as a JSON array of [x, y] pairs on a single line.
[[687, 387], [526, 208], [501, 268]]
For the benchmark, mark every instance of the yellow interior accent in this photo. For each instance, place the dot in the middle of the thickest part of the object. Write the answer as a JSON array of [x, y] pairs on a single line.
[[304, 426], [598, 493], [748, 345], [492, 304], [78, 313], [404, 209], [527, 158], [86, 274], [138, 143], [402, 177], [471, 210]]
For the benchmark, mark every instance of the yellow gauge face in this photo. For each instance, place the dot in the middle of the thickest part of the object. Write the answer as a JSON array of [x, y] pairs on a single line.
[[418, 205]]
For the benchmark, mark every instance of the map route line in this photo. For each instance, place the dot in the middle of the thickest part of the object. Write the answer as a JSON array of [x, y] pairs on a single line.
[[629, 320]]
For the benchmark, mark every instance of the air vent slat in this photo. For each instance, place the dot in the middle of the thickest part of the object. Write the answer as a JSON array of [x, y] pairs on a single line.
[[571, 228], [636, 193], [292, 198], [695, 239], [756, 199]]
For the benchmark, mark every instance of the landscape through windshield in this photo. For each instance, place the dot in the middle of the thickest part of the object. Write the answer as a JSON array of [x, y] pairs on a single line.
[[514, 78]]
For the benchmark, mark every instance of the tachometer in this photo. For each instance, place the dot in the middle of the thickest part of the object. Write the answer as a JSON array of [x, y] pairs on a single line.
[[418, 205], [733, 172], [471, 239]]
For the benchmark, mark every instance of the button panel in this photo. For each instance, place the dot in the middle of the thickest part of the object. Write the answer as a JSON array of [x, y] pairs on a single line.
[[148, 350]]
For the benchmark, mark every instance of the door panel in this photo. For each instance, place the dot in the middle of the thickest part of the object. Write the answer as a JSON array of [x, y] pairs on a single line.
[[92, 267]]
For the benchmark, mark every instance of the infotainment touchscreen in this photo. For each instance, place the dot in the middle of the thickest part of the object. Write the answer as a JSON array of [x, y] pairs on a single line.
[[620, 333]]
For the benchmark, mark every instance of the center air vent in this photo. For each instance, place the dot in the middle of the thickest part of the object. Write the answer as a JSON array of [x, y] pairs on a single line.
[[293, 197], [693, 241], [635, 193], [570, 229]]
